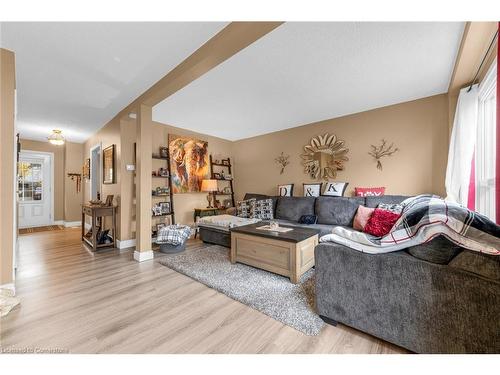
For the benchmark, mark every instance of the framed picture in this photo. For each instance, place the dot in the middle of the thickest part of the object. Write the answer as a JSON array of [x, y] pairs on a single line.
[[285, 190], [189, 163], [335, 189], [109, 200], [164, 207], [163, 172], [163, 152], [108, 165], [86, 169], [156, 210], [312, 190], [225, 162]]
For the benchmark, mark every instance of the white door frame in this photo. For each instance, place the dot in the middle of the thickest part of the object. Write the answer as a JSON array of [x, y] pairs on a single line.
[[51, 157], [95, 147]]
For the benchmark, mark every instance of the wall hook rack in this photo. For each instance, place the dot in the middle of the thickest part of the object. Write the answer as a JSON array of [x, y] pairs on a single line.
[[78, 177]]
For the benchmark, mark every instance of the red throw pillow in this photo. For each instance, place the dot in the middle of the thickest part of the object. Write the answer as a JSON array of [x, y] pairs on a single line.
[[369, 192], [381, 222]]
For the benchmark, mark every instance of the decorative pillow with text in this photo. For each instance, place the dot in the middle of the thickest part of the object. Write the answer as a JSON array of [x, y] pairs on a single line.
[[285, 190], [335, 189], [312, 190], [369, 192]]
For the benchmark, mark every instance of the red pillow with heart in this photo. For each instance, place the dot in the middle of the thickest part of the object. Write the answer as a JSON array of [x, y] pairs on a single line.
[[369, 192], [381, 222]]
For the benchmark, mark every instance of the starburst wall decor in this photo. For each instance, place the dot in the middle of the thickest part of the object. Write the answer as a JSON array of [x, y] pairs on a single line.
[[324, 156]]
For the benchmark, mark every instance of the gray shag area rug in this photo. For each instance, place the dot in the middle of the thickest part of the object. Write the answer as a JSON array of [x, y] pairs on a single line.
[[271, 294]]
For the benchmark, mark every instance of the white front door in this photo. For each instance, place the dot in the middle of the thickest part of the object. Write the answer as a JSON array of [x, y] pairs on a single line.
[[34, 189]]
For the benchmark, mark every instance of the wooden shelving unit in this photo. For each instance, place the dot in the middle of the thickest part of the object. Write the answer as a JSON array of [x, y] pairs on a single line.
[[170, 195], [219, 168]]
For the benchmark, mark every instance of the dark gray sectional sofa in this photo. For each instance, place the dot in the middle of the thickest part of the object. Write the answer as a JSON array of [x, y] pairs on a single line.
[[431, 298]]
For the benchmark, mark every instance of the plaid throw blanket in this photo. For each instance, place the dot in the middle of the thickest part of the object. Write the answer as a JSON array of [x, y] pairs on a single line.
[[423, 218], [173, 234]]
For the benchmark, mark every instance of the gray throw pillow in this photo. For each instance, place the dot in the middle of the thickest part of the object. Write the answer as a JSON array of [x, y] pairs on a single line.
[[262, 209], [395, 208]]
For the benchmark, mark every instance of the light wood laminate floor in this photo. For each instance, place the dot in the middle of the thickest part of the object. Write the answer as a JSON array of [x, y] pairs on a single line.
[[82, 302]]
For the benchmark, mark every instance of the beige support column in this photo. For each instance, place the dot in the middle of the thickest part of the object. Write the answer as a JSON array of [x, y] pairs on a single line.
[[143, 183], [7, 161]]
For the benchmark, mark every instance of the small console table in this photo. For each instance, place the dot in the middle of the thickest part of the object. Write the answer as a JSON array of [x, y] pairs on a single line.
[[97, 212]]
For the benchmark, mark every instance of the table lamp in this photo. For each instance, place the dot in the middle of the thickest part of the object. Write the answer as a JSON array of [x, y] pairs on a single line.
[[209, 186]]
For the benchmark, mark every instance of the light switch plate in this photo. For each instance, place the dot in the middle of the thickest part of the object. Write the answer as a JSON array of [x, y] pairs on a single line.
[[130, 167]]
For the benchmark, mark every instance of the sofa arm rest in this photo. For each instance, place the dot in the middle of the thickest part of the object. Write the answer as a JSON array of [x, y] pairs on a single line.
[[231, 211]]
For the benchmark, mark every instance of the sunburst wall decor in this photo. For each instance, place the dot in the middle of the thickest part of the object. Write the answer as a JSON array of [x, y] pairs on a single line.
[[324, 156]]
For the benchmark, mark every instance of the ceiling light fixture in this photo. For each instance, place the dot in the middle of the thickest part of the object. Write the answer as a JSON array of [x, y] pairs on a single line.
[[56, 137]]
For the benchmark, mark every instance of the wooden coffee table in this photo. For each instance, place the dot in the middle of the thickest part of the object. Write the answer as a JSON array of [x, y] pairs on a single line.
[[289, 254]]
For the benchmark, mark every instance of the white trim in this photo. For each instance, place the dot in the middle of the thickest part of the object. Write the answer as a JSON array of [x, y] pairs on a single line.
[[52, 187], [15, 219], [71, 224], [142, 256], [9, 286], [124, 244], [96, 146], [486, 145]]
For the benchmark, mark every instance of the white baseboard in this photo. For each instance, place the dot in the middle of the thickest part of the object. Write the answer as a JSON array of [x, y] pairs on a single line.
[[124, 244], [142, 256], [71, 224], [68, 224], [10, 286]]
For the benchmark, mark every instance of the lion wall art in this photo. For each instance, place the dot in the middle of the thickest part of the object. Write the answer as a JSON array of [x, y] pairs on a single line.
[[189, 163]]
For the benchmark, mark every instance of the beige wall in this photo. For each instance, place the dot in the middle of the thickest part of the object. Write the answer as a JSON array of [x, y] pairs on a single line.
[[73, 162], [418, 128], [67, 159], [123, 135], [7, 160]]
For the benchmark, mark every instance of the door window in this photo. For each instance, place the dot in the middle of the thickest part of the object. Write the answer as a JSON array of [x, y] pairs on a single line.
[[30, 182]]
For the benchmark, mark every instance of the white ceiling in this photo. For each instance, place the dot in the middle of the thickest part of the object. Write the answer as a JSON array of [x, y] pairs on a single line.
[[306, 72], [78, 76]]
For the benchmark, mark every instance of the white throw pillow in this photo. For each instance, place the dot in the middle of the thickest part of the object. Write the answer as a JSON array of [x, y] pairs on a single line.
[[285, 190], [312, 190], [335, 189]]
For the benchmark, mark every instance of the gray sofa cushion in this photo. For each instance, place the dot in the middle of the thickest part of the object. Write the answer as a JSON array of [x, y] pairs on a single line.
[[439, 250], [292, 208], [337, 210], [373, 202], [484, 265]]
